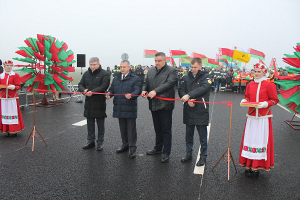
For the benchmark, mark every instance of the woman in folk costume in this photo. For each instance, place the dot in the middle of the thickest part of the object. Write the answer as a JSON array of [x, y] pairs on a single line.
[[11, 118], [257, 148]]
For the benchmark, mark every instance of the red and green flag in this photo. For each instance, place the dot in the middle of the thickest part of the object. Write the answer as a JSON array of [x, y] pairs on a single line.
[[178, 54], [226, 54], [198, 55], [212, 63], [256, 54], [168, 59], [149, 53]]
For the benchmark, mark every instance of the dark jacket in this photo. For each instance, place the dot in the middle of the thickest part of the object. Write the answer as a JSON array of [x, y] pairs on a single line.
[[163, 81], [139, 71], [229, 77], [123, 107], [97, 81], [197, 88]]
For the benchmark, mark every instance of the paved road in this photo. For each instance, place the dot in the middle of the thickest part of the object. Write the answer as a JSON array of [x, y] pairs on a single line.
[[63, 170]]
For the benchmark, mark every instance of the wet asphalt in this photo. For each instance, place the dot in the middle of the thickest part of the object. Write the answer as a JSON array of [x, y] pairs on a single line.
[[63, 170]]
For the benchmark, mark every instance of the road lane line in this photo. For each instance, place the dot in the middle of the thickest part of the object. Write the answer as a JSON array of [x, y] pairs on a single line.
[[200, 170], [81, 123]]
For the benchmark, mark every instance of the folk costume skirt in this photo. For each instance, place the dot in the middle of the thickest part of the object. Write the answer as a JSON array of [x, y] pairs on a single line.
[[11, 118], [257, 147]]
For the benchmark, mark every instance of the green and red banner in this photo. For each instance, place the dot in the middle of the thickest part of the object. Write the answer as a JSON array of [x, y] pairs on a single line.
[[256, 54], [198, 55], [178, 54], [149, 53], [168, 59], [212, 63], [226, 54]]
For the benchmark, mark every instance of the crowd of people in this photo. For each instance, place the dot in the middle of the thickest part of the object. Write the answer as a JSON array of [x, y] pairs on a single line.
[[157, 84], [223, 78]]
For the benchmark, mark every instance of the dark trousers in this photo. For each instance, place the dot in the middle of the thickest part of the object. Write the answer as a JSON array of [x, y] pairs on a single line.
[[128, 132], [189, 139], [216, 84], [91, 130], [162, 120]]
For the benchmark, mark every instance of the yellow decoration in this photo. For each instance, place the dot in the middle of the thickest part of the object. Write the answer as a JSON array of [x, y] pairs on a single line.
[[241, 56]]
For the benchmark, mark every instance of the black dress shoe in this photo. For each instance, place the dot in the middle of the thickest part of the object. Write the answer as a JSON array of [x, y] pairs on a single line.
[[187, 158], [89, 145], [165, 158], [252, 173], [99, 148], [132, 154], [247, 171], [201, 162], [153, 151], [123, 149]]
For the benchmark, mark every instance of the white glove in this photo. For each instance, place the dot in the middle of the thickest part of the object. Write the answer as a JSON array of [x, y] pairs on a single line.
[[263, 105], [243, 100], [11, 87]]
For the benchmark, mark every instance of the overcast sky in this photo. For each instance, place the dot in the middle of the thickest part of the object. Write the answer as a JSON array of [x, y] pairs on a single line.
[[106, 29]]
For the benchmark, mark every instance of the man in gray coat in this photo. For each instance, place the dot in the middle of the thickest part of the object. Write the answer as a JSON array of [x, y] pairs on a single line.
[[195, 87], [95, 79], [160, 83]]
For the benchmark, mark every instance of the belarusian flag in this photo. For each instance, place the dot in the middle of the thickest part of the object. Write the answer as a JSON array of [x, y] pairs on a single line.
[[212, 63], [168, 59], [149, 53], [223, 60], [198, 55], [226, 53], [178, 54], [273, 66], [256, 54], [262, 62]]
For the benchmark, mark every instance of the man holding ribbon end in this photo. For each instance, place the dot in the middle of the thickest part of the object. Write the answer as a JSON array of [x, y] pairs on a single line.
[[195, 87], [125, 89], [11, 118], [97, 80], [160, 84], [257, 147]]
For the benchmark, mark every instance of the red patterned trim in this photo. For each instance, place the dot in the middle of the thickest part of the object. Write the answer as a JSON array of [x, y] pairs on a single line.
[[251, 111]]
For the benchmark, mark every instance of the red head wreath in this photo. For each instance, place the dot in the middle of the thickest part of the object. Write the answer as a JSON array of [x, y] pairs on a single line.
[[8, 62], [262, 67]]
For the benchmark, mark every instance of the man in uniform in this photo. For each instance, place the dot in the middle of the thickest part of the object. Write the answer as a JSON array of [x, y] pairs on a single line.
[[195, 87]]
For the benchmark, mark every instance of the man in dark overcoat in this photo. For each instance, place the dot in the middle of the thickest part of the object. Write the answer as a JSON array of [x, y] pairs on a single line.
[[95, 79], [195, 87], [160, 83]]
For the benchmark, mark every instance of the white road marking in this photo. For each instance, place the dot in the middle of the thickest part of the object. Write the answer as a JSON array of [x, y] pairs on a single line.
[[200, 170], [81, 123]]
